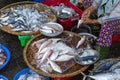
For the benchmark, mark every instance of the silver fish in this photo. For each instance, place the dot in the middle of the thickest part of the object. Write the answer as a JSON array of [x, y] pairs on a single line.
[[63, 58], [106, 76], [45, 44], [81, 41], [46, 55], [54, 66], [115, 66]]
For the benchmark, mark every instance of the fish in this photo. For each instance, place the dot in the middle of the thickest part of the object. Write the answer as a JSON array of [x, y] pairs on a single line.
[[104, 67], [54, 55], [115, 66], [105, 76], [54, 66], [46, 68], [63, 58], [86, 58], [46, 55], [45, 44], [29, 17], [80, 42], [38, 42]]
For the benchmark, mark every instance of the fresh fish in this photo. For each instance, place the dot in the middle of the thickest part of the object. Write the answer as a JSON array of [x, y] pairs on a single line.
[[115, 66], [105, 76], [46, 55], [86, 58], [54, 55], [63, 58], [64, 52], [38, 42], [28, 17], [45, 44], [54, 66], [81, 41], [104, 67], [46, 68], [46, 31]]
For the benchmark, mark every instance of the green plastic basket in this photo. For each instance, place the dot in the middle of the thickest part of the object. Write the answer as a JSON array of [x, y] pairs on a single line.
[[24, 39]]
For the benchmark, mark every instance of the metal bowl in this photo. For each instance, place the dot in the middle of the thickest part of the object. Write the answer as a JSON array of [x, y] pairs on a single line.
[[82, 29], [88, 57], [56, 33]]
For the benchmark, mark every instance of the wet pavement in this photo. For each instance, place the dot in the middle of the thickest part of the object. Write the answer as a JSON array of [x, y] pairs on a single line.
[[17, 62]]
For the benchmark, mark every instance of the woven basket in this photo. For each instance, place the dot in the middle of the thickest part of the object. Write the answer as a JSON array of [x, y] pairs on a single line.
[[28, 4], [28, 56], [99, 63]]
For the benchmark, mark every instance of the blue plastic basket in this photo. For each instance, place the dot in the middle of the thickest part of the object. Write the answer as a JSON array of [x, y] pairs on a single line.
[[3, 77], [23, 72], [7, 53], [38, 0]]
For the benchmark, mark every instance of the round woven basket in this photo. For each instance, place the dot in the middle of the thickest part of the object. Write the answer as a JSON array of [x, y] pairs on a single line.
[[27, 4], [73, 71], [101, 62]]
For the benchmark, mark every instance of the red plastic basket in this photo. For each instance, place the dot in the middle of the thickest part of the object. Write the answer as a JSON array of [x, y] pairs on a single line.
[[67, 23], [116, 37]]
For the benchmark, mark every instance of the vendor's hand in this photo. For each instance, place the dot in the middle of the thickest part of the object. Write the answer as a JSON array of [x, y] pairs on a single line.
[[85, 14], [90, 21]]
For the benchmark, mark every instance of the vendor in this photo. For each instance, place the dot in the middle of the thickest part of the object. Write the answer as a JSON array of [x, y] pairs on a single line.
[[106, 10]]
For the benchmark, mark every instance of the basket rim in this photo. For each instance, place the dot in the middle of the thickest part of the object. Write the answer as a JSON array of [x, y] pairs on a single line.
[[49, 74], [20, 33]]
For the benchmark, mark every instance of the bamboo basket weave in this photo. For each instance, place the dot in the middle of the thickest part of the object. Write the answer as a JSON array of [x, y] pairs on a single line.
[[28, 56], [28, 4], [99, 63]]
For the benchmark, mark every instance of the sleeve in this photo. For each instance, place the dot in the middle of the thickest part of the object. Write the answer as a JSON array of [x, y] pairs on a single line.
[[101, 20], [97, 3]]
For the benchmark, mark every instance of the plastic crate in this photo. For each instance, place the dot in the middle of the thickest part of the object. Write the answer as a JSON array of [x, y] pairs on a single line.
[[24, 39], [67, 23], [116, 38]]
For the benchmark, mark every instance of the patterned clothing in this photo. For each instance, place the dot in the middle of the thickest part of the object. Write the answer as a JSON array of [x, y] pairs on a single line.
[[107, 8], [110, 10], [87, 3], [109, 28]]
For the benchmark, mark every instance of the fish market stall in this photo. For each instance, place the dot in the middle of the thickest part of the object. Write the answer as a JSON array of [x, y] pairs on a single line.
[[54, 56]]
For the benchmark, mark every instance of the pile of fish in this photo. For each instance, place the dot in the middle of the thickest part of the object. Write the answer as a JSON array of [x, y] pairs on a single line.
[[64, 11], [107, 71], [52, 51], [51, 28], [2, 57], [31, 75], [23, 19]]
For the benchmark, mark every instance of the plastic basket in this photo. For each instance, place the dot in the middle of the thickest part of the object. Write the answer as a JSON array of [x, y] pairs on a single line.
[[24, 39], [7, 53], [16, 77], [3, 77], [67, 23], [116, 38]]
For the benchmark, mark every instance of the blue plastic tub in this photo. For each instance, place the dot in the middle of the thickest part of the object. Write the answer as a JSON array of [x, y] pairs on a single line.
[[23, 72], [3, 77], [38, 0], [7, 53]]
